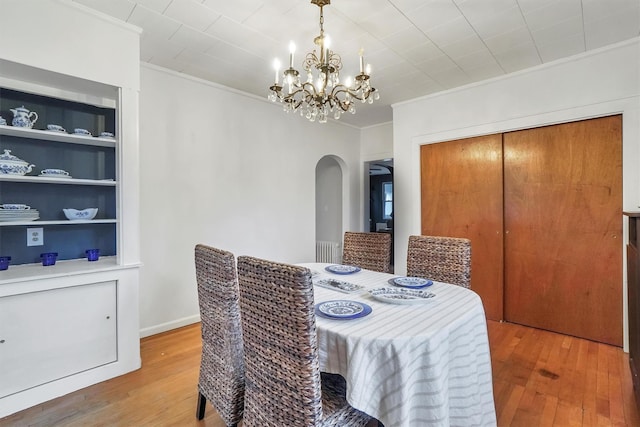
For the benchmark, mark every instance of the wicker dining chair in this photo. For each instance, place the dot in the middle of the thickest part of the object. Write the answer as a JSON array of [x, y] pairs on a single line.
[[221, 380], [444, 259], [284, 386], [371, 251]]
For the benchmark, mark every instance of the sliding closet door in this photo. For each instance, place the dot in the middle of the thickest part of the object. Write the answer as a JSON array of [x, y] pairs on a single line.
[[462, 197], [563, 228]]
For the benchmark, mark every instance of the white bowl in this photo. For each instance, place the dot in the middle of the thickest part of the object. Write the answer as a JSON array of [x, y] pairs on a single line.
[[75, 214]]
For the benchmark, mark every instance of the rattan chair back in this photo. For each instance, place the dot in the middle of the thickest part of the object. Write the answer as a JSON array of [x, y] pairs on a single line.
[[283, 382], [371, 251], [444, 259], [221, 380]]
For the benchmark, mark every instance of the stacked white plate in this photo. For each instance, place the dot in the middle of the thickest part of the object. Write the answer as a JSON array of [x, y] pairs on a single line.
[[19, 214]]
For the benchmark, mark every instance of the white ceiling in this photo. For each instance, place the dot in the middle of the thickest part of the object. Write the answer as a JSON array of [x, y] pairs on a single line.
[[415, 47]]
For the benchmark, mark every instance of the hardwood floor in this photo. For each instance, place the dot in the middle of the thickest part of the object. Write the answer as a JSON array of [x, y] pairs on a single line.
[[540, 379]]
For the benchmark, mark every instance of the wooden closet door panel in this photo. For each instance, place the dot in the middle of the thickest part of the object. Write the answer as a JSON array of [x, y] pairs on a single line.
[[563, 240], [462, 197]]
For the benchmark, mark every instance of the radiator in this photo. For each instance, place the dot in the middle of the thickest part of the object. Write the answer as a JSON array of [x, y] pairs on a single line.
[[328, 252]]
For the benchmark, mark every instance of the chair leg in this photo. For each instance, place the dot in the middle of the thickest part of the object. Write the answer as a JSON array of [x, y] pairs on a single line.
[[202, 404]]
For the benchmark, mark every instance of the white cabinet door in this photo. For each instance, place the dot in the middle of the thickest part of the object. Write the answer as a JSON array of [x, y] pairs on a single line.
[[51, 334]]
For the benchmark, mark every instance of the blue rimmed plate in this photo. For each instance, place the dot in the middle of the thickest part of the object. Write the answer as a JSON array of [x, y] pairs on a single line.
[[410, 282], [342, 309], [342, 269]]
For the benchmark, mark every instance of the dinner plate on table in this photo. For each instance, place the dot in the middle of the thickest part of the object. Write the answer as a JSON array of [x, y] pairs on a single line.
[[342, 309], [342, 269], [410, 282], [402, 295]]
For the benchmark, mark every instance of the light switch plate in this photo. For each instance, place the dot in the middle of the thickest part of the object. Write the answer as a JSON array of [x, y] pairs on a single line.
[[35, 236]]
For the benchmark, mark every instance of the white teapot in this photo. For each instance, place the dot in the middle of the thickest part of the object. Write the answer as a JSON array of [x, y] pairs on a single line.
[[22, 117]]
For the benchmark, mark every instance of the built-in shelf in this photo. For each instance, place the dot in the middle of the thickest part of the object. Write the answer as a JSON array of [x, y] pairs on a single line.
[[56, 136], [28, 272], [60, 222], [48, 180], [73, 324], [91, 164]]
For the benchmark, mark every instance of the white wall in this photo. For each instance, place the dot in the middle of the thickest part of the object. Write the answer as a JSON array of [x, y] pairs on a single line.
[[229, 170], [595, 84], [61, 36], [377, 142]]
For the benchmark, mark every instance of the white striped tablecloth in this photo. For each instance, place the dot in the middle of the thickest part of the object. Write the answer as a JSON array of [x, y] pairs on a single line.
[[410, 365]]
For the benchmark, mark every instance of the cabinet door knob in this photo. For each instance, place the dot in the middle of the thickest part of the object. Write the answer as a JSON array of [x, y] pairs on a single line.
[[1, 341]]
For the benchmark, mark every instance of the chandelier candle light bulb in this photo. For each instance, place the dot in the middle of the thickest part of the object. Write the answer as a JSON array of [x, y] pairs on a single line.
[[327, 44], [292, 50], [276, 66], [322, 93]]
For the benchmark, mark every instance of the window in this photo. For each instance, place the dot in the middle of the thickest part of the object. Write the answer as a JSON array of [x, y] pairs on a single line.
[[387, 200]]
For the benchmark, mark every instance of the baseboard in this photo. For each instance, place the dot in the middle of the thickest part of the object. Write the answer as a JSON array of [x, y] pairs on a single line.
[[164, 327]]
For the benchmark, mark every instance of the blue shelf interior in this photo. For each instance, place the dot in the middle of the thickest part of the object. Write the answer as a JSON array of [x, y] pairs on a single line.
[[69, 241], [81, 161], [68, 114]]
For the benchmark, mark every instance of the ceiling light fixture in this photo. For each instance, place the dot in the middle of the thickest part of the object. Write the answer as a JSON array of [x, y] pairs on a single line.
[[322, 93]]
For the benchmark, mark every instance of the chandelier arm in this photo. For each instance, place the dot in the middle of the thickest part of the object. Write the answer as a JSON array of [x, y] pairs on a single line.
[[313, 92], [307, 92], [344, 104], [353, 92]]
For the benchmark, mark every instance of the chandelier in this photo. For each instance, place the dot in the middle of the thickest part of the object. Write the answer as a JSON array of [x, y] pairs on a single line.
[[322, 94]]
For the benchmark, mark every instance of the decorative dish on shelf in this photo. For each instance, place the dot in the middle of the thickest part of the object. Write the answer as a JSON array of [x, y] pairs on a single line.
[[56, 128], [12, 165], [410, 282], [342, 269], [339, 285], [342, 309], [14, 206], [47, 175], [81, 132], [7, 215], [84, 214], [55, 173], [402, 295]]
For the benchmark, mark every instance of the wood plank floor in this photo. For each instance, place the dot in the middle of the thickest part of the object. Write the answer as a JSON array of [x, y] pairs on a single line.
[[540, 379]]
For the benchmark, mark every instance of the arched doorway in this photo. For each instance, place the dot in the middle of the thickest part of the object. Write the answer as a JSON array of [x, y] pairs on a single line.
[[329, 192]]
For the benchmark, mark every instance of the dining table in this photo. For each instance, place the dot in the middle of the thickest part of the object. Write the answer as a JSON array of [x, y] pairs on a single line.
[[407, 363]]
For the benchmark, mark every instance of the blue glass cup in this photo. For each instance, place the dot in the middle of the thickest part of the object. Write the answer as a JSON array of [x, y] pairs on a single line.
[[92, 254], [4, 262], [49, 258]]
